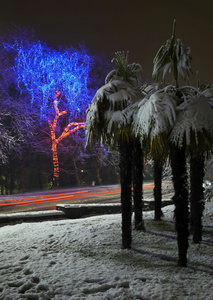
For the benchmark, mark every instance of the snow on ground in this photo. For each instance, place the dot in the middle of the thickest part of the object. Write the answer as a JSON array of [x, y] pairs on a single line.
[[82, 259]]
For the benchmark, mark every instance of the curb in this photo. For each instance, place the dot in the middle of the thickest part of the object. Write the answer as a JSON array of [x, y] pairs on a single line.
[[31, 217], [74, 211], [71, 211]]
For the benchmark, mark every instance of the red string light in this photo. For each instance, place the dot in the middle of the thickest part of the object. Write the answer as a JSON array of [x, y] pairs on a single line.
[[70, 128]]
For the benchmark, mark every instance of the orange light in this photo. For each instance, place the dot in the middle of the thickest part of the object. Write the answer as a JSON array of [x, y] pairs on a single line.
[[60, 197], [67, 131]]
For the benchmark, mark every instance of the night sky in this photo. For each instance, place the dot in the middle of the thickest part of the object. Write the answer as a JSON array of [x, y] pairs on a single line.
[[140, 26]]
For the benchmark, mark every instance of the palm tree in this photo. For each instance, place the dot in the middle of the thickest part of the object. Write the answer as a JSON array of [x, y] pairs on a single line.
[[192, 135], [194, 127], [153, 122], [108, 121], [176, 59]]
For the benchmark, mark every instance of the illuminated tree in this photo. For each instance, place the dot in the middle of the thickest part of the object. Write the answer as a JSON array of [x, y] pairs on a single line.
[[30, 74], [17, 124], [17, 131], [39, 71], [70, 128]]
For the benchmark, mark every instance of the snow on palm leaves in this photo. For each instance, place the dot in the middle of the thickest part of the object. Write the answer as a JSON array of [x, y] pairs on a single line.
[[107, 118], [153, 121], [194, 115], [194, 124], [120, 109], [172, 57], [131, 73], [106, 114], [162, 118], [158, 119]]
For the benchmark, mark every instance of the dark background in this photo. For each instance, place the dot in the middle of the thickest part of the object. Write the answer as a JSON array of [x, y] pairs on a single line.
[[140, 26]]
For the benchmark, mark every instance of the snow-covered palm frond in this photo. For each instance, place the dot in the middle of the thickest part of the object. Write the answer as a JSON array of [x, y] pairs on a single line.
[[116, 121], [194, 125], [113, 97], [121, 94], [112, 75], [162, 61], [116, 127], [131, 73], [173, 58], [208, 93], [148, 89], [155, 114], [120, 123], [155, 118], [183, 57], [106, 117]]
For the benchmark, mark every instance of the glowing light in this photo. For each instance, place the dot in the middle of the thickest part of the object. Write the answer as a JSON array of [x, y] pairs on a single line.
[[62, 196], [70, 128], [41, 70]]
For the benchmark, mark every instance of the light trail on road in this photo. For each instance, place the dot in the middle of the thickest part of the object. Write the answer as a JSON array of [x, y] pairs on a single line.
[[61, 196], [37, 199]]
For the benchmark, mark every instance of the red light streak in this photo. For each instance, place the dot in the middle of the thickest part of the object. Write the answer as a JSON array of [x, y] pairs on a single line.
[[39, 198], [64, 198], [61, 197]]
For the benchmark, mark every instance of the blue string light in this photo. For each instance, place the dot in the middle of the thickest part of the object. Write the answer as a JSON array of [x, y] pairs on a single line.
[[41, 71]]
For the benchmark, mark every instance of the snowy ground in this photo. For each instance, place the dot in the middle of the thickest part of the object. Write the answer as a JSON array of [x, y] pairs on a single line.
[[82, 259]]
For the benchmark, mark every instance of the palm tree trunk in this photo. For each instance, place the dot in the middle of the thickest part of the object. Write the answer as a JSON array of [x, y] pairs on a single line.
[[180, 198], [196, 197], [126, 193], [158, 169], [138, 185]]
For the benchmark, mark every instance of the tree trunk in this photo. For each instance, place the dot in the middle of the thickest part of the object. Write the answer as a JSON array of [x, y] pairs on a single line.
[[22, 179], [98, 177], [12, 177], [1, 180], [138, 185], [158, 169], [196, 197], [40, 181], [6, 182], [126, 193], [78, 181], [180, 198], [55, 163]]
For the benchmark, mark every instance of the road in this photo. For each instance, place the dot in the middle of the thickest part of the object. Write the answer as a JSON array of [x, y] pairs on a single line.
[[47, 200]]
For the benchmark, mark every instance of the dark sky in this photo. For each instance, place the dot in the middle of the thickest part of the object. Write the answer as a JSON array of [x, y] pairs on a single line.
[[140, 26]]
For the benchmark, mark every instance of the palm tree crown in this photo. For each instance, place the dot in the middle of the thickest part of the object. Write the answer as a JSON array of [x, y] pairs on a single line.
[[106, 116], [154, 118], [194, 124], [173, 57]]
